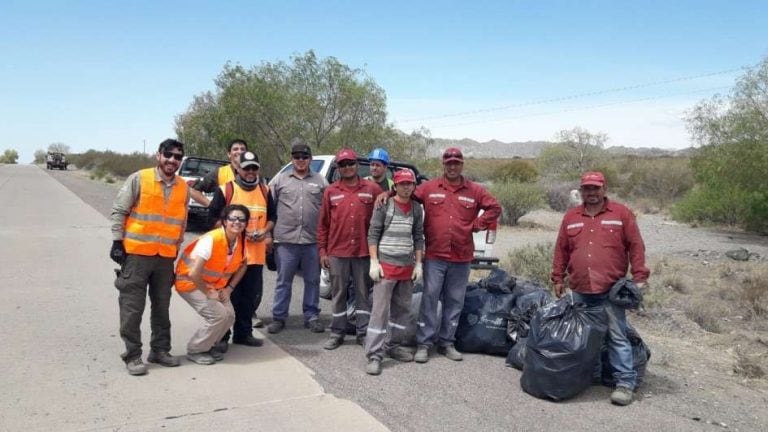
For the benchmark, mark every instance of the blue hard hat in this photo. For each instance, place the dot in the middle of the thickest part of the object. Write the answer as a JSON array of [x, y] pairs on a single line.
[[379, 154]]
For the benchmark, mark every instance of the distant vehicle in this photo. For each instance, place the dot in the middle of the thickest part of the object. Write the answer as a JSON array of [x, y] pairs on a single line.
[[192, 170], [55, 160], [484, 240]]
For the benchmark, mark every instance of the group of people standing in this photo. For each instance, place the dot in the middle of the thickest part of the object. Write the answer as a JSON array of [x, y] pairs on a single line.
[[375, 236]]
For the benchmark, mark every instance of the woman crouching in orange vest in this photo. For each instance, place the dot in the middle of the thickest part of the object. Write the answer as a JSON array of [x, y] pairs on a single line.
[[206, 273]]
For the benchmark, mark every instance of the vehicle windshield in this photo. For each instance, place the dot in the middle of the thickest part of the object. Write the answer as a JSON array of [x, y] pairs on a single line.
[[199, 167], [315, 166]]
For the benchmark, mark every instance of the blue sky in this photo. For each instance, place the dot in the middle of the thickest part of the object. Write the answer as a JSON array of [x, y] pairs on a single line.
[[108, 75]]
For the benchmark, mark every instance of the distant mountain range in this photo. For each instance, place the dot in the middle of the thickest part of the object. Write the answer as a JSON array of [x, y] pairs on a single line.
[[530, 149]]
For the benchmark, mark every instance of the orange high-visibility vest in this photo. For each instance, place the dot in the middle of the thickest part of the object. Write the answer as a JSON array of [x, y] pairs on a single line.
[[216, 271], [156, 223], [256, 202], [226, 174]]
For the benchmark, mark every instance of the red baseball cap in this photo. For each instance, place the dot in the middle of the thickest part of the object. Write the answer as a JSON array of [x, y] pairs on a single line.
[[593, 178], [404, 176], [452, 154], [346, 154]]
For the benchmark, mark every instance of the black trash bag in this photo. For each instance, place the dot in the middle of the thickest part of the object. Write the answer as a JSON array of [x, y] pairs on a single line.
[[524, 286], [641, 355], [497, 280], [409, 339], [472, 286], [523, 311], [562, 349], [516, 355], [483, 321]]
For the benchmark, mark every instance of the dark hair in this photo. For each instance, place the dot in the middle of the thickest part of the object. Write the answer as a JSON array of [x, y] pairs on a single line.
[[238, 141], [170, 144], [232, 207]]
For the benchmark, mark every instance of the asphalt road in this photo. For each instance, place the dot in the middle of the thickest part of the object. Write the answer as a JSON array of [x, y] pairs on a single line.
[[479, 393]]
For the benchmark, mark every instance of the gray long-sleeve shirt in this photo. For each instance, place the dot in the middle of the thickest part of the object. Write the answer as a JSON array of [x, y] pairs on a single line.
[[298, 206], [404, 235]]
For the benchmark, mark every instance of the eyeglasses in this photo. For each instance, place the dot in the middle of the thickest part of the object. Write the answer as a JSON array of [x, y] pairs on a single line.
[[346, 164], [250, 168], [301, 157], [235, 219], [169, 154]]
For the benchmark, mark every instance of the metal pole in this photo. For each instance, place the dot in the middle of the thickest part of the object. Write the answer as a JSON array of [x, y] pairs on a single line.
[[145, 147]]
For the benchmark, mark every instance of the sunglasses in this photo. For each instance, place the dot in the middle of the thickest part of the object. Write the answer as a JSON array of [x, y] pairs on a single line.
[[346, 164], [251, 168], [170, 154], [301, 157], [235, 219]]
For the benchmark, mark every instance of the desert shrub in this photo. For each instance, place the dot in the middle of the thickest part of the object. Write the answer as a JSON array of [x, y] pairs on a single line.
[[709, 205], [753, 293], [515, 170], [655, 297], [532, 261], [663, 180], [516, 200], [558, 195], [109, 162], [705, 313]]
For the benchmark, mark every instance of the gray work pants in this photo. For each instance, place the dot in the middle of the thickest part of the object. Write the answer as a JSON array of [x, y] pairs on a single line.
[[219, 317], [390, 316], [447, 281], [340, 272], [137, 273]]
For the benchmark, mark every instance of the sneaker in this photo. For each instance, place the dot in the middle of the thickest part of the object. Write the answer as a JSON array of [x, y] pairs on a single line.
[[221, 346], [216, 354], [257, 322], [202, 358], [374, 367], [315, 326], [136, 366], [163, 358], [422, 354], [334, 342], [360, 339], [276, 326], [450, 352], [402, 354], [621, 396], [248, 340]]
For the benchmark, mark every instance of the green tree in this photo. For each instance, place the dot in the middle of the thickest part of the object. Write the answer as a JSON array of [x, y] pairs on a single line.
[[328, 104], [40, 156], [730, 164], [575, 151], [516, 170], [10, 156]]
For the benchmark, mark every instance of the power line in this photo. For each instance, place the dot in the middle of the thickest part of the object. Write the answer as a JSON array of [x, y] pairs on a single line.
[[573, 96]]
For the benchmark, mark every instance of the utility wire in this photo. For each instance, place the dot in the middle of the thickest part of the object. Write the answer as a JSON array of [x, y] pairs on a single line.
[[573, 96]]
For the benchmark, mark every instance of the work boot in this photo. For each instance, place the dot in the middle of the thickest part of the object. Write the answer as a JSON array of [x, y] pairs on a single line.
[[202, 358], [136, 366], [422, 354], [163, 358], [402, 354], [334, 342], [276, 326], [450, 352], [221, 346], [315, 326], [216, 354], [248, 340], [360, 339], [621, 396], [374, 367]]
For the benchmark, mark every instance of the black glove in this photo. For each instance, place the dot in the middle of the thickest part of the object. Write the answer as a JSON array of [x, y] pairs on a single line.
[[117, 253]]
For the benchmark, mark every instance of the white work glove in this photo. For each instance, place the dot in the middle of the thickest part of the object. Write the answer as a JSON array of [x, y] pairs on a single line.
[[418, 272], [375, 272]]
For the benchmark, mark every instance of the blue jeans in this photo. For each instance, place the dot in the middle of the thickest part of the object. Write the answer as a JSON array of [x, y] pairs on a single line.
[[289, 258], [446, 281], [619, 347]]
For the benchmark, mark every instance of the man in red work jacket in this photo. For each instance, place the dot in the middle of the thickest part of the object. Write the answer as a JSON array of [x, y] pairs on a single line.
[[596, 244], [342, 238], [451, 207]]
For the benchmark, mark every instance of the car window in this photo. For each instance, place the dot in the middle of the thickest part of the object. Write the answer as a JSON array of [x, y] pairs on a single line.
[[315, 166], [199, 168]]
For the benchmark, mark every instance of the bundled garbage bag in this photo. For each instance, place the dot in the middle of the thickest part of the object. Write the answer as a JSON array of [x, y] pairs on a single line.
[[410, 329], [483, 321], [562, 349], [523, 287], [625, 294], [522, 313], [497, 280], [516, 355], [641, 354]]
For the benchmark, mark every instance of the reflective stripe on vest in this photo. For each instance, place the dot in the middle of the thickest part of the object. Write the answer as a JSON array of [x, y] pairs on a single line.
[[216, 271], [155, 225], [226, 175], [256, 203]]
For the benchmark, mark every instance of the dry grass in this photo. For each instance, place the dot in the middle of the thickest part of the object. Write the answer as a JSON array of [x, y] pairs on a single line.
[[753, 295], [533, 262], [748, 366], [707, 313]]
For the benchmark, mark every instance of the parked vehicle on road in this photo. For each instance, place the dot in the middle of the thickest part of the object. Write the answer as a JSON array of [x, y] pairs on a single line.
[[192, 170], [56, 160]]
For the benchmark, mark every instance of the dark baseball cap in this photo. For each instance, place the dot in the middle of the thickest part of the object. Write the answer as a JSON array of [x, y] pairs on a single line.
[[249, 158], [300, 147]]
